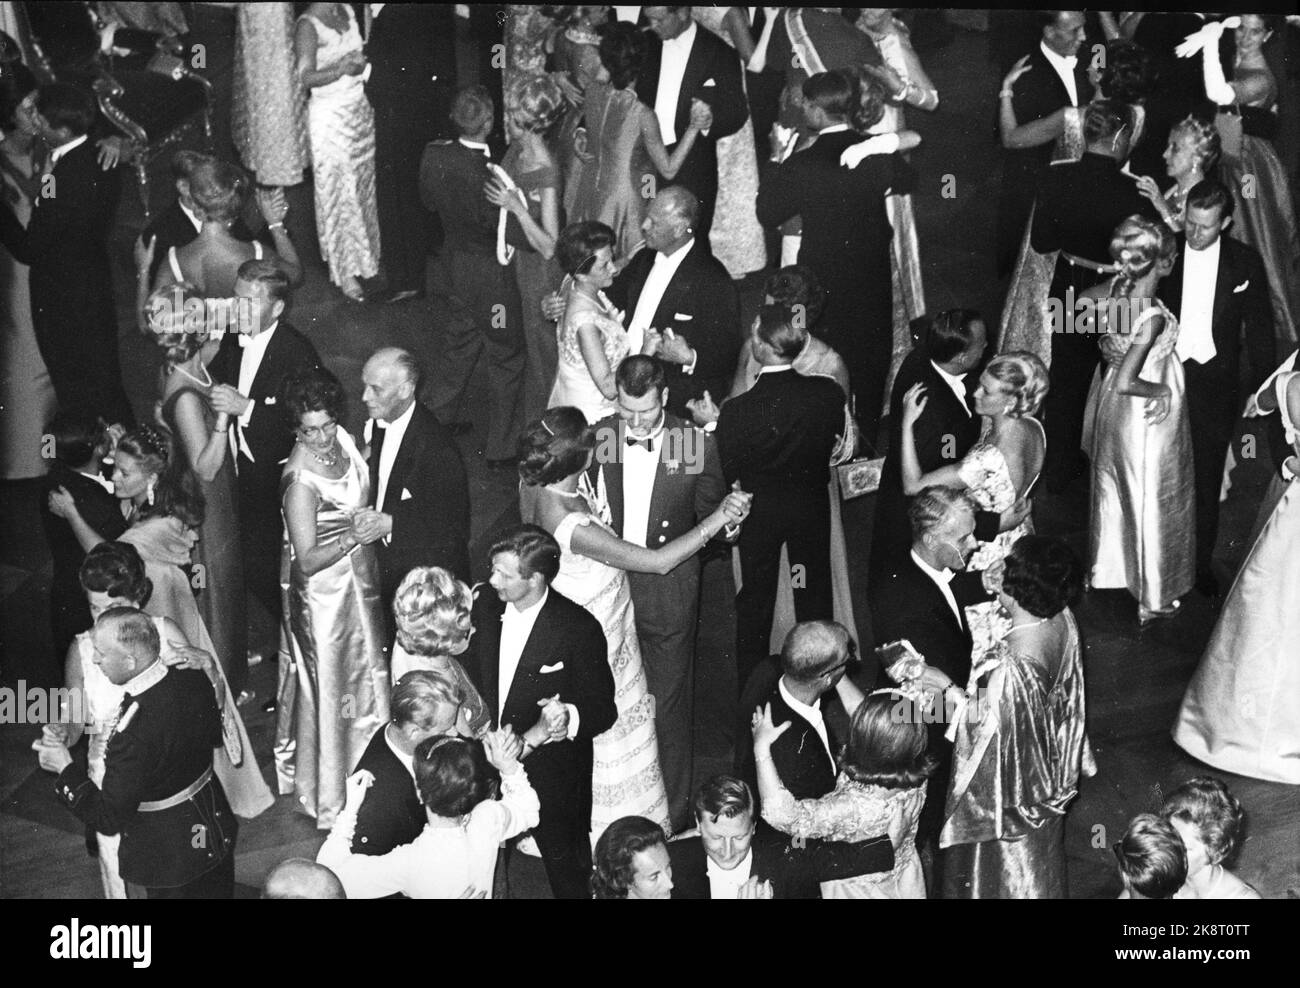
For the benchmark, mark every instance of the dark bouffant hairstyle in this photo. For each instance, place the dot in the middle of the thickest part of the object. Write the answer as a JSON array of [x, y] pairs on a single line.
[[117, 569], [621, 842], [1212, 809], [177, 493], [578, 243], [555, 446], [315, 390], [1043, 575], [16, 84], [453, 774], [64, 105], [796, 284], [622, 52], [76, 436], [887, 742], [1151, 857], [1129, 75]]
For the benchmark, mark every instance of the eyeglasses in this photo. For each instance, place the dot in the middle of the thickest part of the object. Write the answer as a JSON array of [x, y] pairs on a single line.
[[322, 430], [848, 661]]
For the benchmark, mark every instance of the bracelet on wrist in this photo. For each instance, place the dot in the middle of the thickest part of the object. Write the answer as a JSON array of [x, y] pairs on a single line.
[[1006, 94]]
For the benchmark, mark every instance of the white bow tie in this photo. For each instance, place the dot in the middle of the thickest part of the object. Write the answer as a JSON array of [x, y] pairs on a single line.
[[1070, 62], [945, 575], [243, 339]]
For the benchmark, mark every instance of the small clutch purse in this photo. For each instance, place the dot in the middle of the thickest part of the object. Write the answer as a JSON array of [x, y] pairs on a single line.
[[855, 475]]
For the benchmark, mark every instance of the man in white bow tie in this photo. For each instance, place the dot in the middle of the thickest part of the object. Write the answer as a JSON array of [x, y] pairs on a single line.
[[250, 369], [1219, 291], [419, 513]]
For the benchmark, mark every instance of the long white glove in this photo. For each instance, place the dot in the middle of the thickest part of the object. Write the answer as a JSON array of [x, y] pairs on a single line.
[[1206, 41]]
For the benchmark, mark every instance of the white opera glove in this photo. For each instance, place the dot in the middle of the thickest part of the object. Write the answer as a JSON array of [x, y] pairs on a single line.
[[1210, 33], [853, 155]]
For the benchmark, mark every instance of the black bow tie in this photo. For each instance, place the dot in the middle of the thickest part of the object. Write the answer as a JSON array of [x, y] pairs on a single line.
[[647, 444]]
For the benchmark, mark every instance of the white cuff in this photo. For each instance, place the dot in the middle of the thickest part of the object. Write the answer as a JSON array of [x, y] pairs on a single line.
[[573, 720], [695, 359]]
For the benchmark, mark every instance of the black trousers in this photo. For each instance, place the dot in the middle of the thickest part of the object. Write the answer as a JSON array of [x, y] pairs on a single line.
[[860, 328], [82, 358], [1075, 357], [217, 883], [801, 523], [261, 532], [1212, 405], [403, 126], [563, 836]]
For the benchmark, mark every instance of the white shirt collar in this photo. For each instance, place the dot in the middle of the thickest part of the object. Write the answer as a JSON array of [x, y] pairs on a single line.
[[833, 129], [958, 384], [257, 343], [1062, 63], [775, 368], [195, 219], [97, 478], [1208, 252], [940, 576], [405, 759], [513, 613], [813, 715], [400, 423], [63, 149], [683, 40], [142, 681], [727, 881], [476, 146], [676, 257]]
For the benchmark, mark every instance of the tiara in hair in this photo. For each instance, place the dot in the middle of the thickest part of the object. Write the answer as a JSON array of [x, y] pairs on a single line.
[[152, 440]]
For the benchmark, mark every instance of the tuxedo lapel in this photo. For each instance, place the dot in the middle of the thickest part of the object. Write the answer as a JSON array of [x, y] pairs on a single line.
[[396, 478], [641, 263], [692, 80], [267, 379], [1224, 283], [536, 651], [676, 296], [613, 472]]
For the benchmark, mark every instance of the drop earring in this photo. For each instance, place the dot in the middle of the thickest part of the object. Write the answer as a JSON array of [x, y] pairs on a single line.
[[148, 492]]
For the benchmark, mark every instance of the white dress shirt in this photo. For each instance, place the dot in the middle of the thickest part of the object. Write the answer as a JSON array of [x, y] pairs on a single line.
[[516, 626], [1196, 322], [639, 468], [672, 68], [252, 350], [813, 715], [1065, 69], [652, 293], [725, 884], [958, 384], [478, 146], [393, 436], [942, 578], [63, 149], [97, 478]]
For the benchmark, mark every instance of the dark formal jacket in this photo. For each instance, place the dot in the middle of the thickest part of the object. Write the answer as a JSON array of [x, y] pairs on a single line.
[[943, 434], [566, 654], [1039, 93], [428, 498], [701, 306], [392, 814], [777, 437], [806, 769], [412, 51], [269, 431], [790, 873], [906, 603], [451, 184], [683, 494], [162, 744], [713, 76], [846, 231], [1079, 205], [102, 512], [66, 245], [1243, 316]]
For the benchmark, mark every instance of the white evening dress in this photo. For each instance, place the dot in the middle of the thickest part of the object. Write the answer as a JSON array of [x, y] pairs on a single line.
[[573, 383]]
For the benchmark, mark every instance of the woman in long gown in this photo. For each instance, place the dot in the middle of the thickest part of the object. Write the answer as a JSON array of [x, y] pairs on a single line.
[[1000, 469], [624, 145], [26, 394], [1129, 78], [590, 335], [534, 104], [162, 501], [268, 118], [113, 575], [200, 437], [341, 131], [1265, 214], [736, 237], [554, 455], [1020, 745], [1241, 711], [879, 791], [334, 683], [1136, 431]]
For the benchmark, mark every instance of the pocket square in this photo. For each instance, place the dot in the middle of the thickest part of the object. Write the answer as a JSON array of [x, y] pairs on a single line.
[[709, 82], [1242, 287], [683, 316], [269, 400], [406, 494], [555, 668]]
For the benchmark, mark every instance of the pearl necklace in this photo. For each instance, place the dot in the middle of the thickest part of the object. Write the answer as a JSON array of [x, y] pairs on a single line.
[[331, 460], [1030, 624]]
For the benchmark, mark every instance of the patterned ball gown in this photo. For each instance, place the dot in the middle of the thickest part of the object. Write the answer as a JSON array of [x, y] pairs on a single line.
[[626, 779], [573, 383], [268, 122], [334, 686], [341, 130], [1241, 712]]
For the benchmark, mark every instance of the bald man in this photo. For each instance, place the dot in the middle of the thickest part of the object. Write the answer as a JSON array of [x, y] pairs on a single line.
[[419, 496], [298, 878], [676, 286]]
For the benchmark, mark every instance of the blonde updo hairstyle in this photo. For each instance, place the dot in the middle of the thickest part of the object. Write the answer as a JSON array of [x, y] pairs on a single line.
[[432, 609], [1206, 143], [1023, 377], [535, 103], [176, 319], [1137, 245]]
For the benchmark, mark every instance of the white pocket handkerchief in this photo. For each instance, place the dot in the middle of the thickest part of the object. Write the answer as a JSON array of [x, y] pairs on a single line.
[[269, 400], [1242, 287], [406, 494], [683, 316], [555, 668], [709, 82]]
